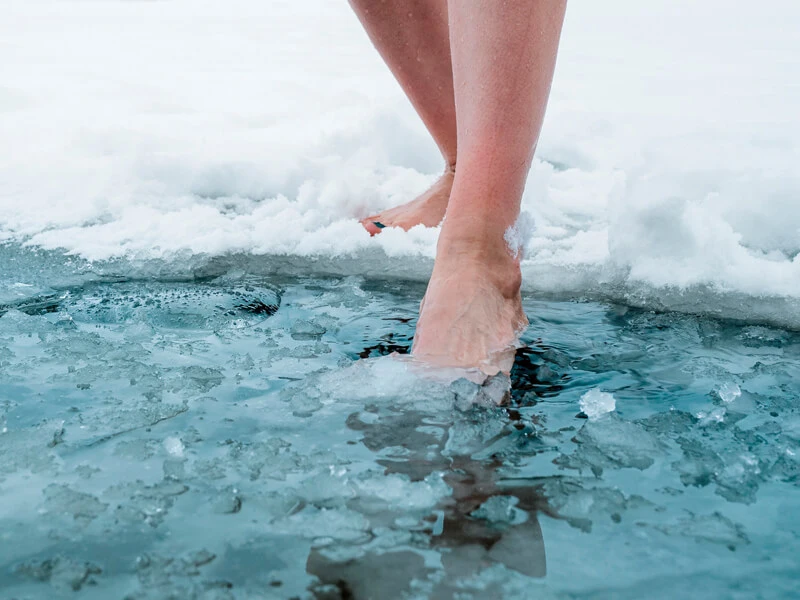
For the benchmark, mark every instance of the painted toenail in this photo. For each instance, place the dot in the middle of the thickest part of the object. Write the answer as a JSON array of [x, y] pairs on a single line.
[[378, 224]]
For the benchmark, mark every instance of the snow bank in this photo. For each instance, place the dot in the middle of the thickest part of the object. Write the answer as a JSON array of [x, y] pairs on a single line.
[[666, 173]]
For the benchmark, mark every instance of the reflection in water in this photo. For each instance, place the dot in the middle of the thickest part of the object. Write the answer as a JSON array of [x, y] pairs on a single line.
[[485, 521]]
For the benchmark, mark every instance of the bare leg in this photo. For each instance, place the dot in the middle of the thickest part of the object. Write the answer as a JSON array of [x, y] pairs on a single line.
[[504, 54], [412, 36]]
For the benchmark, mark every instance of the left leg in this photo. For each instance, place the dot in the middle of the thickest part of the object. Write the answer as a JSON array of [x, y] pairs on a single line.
[[413, 38], [504, 54]]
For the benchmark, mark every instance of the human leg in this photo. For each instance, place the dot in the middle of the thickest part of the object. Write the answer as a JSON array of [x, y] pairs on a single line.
[[412, 36], [503, 55]]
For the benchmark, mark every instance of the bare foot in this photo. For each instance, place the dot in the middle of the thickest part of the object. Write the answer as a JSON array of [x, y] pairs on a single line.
[[471, 316], [427, 209]]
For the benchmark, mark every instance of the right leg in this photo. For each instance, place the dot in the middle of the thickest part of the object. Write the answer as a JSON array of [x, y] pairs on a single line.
[[504, 54], [413, 38]]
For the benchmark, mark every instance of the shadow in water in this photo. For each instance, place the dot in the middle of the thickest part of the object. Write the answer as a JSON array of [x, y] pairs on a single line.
[[486, 520]]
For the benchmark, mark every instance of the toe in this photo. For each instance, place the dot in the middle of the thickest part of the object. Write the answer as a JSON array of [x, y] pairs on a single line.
[[372, 225]]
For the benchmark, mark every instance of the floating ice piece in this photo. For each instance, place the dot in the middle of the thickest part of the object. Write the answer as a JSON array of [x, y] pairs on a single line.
[[709, 418], [728, 392], [595, 403], [500, 510], [174, 446], [64, 574]]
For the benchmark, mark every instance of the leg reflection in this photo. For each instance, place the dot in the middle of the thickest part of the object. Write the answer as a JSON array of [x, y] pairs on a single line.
[[486, 520]]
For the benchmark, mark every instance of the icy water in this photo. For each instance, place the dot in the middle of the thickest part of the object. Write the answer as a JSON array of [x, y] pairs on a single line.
[[244, 436]]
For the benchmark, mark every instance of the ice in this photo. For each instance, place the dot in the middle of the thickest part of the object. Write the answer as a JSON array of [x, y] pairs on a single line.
[[178, 576], [136, 503], [306, 330], [586, 506], [270, 458], [612, 443], [82, 507], [228, 502], [304, 401], [400, 493], [17, 322], [137, 449], [174, 469], [343, 579], [728, 392], [339, 524], [596, 403], [715, 528], [64, 574], [174, 446], [309, 350], [491, 393], [716, 415], [29, 448], [500, 510]]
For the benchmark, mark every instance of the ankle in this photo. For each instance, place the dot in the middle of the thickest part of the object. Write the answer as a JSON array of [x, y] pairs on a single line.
[[488, 258], [474, 235]]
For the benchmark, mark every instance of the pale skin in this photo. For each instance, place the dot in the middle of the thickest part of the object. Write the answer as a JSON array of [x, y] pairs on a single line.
[[478, 72]]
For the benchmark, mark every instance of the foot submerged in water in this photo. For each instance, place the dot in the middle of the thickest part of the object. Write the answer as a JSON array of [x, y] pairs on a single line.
[[471, 316], [427, 209]]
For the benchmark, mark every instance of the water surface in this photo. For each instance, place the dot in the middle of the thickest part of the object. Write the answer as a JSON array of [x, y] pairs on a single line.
[[246, 436]]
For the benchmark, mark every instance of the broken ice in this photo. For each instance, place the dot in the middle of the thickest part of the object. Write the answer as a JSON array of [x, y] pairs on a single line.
[[596, 403]]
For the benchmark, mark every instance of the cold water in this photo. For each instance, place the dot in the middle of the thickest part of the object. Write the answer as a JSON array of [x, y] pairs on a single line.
[[245, 435]]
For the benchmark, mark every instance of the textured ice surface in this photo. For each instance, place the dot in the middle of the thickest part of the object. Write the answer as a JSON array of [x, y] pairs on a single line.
[[248, 436]]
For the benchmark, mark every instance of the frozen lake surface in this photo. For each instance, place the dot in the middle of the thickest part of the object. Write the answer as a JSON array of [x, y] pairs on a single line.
[[241, 435]]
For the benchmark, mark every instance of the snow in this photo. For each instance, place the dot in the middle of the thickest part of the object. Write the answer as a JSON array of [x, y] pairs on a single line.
[[666, 171]]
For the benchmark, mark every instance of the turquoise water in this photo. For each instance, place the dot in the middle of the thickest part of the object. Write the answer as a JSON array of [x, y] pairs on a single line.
[[227, 434]]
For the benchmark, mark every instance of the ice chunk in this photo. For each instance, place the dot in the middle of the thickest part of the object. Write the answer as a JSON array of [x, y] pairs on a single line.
[[309, 350], [62, 499], [468, 394], [62, 573], [499, 510], [728, 392], [168, 576], [340, 524], [139, 503], [306, 330], [174, 446], [612, 443], [596, 403], [716, 415], [715, 528], [228, 502], [582, 504], [399, 492]]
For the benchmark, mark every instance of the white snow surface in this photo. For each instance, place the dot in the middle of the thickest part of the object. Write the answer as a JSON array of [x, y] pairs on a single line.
[[161, 129]]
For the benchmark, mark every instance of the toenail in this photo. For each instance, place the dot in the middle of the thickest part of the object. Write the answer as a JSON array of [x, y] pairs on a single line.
[[378, 224]]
